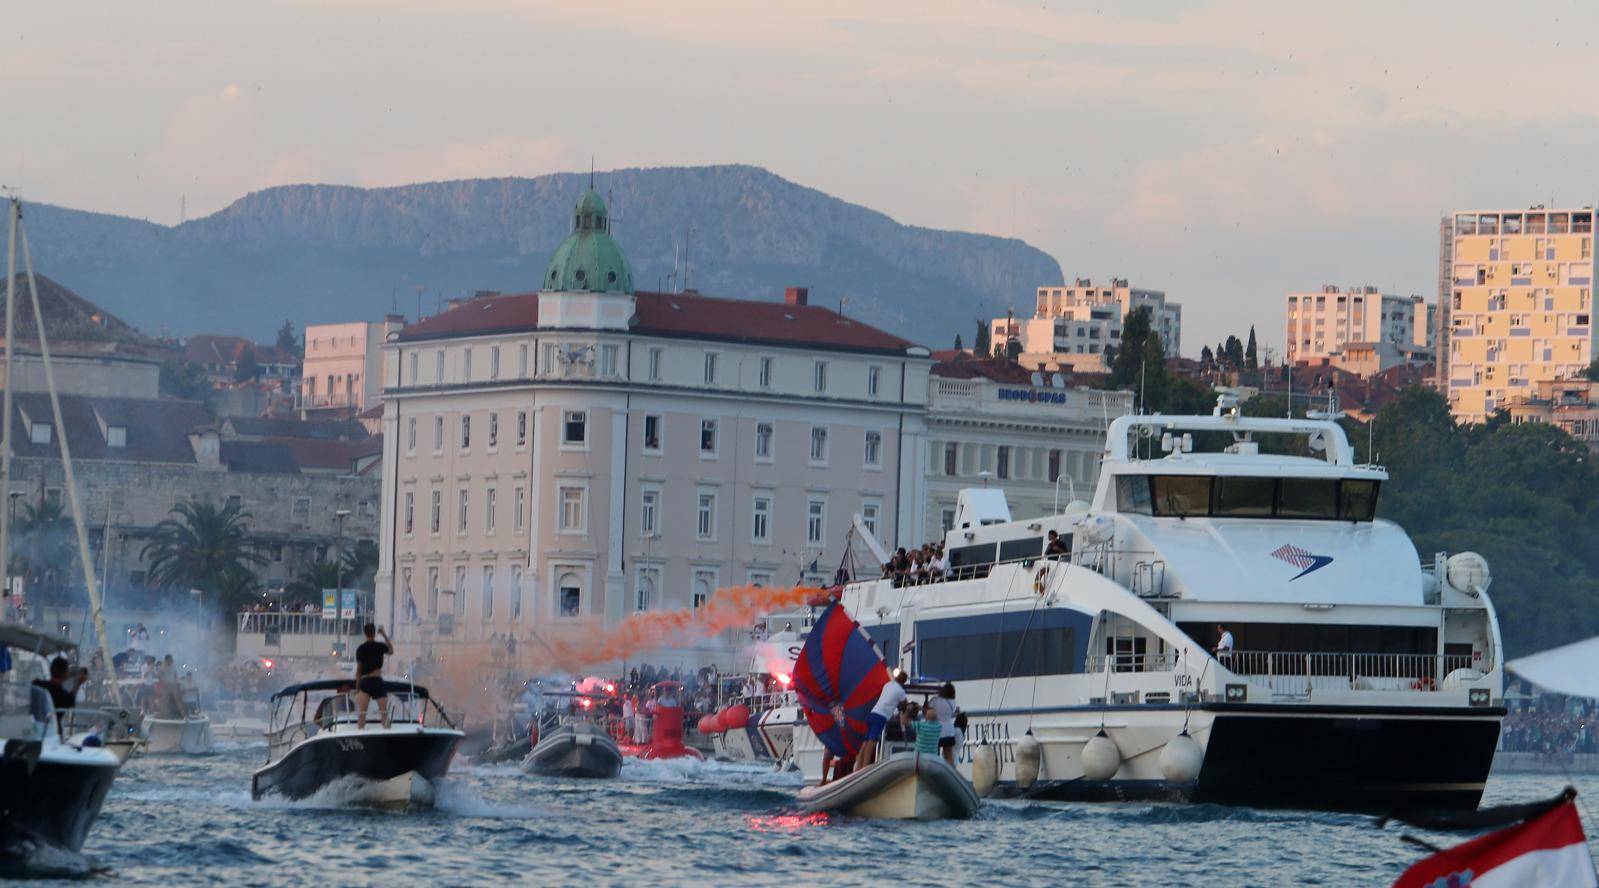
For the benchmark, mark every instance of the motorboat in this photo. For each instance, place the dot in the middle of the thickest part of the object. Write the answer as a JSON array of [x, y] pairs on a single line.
[[903, 785], [665, 720], [573, 745], [52, 782], [1227, 621], [315, 740], [757, 723], [189, 735]]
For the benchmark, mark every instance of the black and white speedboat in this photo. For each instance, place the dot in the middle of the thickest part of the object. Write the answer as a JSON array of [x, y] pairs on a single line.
[[54, 773], [315, 741], [1361, 677]]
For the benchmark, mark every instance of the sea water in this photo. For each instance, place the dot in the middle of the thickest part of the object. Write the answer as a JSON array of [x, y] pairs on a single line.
[[179, 821]]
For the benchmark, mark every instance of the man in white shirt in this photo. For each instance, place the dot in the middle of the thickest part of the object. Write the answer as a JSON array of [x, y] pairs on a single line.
[[1224, 644], [887, 707]]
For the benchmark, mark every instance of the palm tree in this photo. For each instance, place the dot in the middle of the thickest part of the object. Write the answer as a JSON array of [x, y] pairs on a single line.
[[203, 547], [45, 546], [361, 565], [318, 575]]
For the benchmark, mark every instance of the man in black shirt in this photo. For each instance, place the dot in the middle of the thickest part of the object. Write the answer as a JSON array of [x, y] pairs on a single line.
[[369, 674], [60, 697]]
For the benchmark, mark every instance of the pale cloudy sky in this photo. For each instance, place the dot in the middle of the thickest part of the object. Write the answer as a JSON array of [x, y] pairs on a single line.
[[1224, 152]]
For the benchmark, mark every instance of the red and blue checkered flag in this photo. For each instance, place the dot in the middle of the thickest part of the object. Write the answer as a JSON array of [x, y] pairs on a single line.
[[838, 677]]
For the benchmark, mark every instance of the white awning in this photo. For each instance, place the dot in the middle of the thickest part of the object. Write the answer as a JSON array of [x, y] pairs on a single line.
[[1571, 669]]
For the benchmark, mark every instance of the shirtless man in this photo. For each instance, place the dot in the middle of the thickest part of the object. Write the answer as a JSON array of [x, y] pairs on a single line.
[[369, 675]]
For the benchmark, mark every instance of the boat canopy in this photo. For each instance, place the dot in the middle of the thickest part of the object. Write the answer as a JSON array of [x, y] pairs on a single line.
[[32, 640], [1571, 669], [348, 684]]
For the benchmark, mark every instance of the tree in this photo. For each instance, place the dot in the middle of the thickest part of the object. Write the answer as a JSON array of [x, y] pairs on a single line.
[[1251, 357], [1013, 349], [1207, 359], [980, 346], [45, 547], [1140, 362], [958, 345], [1235, 353], [360, 564], [248, 369], [319, 575], [288, 340], [203, 547], [1592, 373], [184, 380]]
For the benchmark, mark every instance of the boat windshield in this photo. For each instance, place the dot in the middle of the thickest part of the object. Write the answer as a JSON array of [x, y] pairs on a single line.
[[1203, 496]]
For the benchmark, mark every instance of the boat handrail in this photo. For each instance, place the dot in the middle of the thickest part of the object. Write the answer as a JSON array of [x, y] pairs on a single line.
[[1299, 672], [1166, 662], [287, 623], [1095, 557]]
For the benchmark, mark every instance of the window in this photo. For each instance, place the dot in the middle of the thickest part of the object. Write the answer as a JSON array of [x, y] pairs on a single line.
[[710, 368], [1003, 464], [874, 376], [300, 511], [766, 373], [655, 365], [763, 441], [463, 501], [946, 519], [1244, 497], [516, 591], [1048, 646], [649, 513], [548, 357], [569, 595], [519, 502], [466, 432], [571, 519], [116, 436], [874, 448], [438, 366], [433, 592], [1054, 466], [951, 458], [521, 428], [466, 364], [815, 522], [760, 578], [438, 434], [410, 435], [870, 512], [574, 427], [39, 433], [708, 436], [412, 367], [644, 594], [704, 587], [818, 444], [819, 376], [437, 510], [521, 371], [494, 362], [488, 510], [761, 519], [410, 512], [488, 592], [608, 360], [652, 433], [494, 430], [705, 526]]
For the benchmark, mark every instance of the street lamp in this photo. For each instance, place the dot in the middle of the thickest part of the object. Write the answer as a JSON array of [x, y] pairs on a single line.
[[338, 574]]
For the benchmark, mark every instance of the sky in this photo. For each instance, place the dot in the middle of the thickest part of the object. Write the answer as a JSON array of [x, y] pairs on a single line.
[[1227, 153]]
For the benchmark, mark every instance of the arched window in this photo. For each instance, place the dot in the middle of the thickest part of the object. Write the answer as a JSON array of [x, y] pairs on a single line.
[[569, 592]]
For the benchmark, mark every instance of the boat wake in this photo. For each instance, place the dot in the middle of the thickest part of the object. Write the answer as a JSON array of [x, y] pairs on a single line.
[[462, 801], [25, 859]]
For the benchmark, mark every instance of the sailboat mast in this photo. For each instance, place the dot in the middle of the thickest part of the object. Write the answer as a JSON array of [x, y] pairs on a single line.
[[15, 213], [90, 581]]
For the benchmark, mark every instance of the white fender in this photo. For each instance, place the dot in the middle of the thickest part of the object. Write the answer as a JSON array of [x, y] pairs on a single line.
[[1181, 758], [985, 769], [1029, 759], [1102, 758]]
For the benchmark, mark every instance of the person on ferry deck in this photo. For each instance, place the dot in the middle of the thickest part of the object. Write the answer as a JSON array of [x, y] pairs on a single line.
[[1056, 545], [1224, 644], [369, 675], [888, 701]]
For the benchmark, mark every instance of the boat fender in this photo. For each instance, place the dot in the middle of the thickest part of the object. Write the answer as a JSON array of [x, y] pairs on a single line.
[[1102, 758], [734, 717], [985, 769], [1029, 759], [709, 724], [1041, 580], [1181, 758]]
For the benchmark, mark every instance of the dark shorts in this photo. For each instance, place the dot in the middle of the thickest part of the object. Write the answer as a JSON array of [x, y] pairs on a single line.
[[946, 743], [874, 726], [372, 686]]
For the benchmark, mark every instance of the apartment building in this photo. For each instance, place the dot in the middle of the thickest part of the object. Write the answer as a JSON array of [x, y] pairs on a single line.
[[343, 369], [1072, 326], [1362, 327], [1521, 307]]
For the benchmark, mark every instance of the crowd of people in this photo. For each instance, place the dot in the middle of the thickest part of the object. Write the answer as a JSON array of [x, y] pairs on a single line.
[[929, 563], [1556, 732]]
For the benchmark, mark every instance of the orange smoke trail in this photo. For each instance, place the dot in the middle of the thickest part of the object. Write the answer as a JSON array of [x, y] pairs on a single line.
[[731, 608]]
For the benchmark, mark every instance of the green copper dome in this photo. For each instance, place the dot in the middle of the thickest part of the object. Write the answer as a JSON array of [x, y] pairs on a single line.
[[589, 259]]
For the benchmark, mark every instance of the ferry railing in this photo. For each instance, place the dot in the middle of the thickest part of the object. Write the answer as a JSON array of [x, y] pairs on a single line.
[[1289, 672], [285, 623], [1166, 662]]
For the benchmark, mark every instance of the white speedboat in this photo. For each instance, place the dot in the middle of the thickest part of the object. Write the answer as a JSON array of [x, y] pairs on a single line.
[[315, 741], [904, 785], [190, 735], [1362, 677], [52, 783]]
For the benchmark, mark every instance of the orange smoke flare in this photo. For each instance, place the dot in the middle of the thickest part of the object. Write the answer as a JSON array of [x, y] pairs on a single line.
[[730, 608]]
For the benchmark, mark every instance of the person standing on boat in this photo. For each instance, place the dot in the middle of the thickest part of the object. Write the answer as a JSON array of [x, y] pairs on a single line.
[[56, 686], [369, 675], [943, 707], [1224, 644], [888, 701], [928, 732]]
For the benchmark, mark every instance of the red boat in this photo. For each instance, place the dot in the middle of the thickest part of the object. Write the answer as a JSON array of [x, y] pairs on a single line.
[[666, 727]]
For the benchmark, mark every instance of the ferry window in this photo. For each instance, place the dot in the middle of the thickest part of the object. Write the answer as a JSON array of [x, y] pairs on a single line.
[[1244, 497], [1308, 498], [1132, 494], [1015, 550], [1359, 500], [976, 648], [1180, 495]]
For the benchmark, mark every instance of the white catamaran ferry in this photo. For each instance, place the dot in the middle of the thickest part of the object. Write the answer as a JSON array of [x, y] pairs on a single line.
[[1359, 677]]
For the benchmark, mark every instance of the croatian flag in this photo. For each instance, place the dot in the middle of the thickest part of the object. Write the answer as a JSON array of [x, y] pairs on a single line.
[[1548, 850]]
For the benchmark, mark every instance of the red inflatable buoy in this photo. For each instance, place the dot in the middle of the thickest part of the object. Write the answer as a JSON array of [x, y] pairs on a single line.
[[710, 724], [734, 717]]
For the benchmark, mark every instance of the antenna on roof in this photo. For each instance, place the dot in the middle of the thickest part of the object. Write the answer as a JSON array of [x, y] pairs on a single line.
[[591, 171]]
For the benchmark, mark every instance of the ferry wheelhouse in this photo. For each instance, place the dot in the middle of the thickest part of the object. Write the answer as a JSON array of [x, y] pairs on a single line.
[[1360, 676]]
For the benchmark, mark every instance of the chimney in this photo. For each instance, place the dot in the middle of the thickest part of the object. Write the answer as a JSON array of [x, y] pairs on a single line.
[[797, 296]]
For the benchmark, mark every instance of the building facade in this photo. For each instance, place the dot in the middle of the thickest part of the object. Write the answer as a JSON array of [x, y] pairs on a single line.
[[343, 370], [1521, 306], [1072, 326], [1360, 329], [555, 461], [1572, 404]]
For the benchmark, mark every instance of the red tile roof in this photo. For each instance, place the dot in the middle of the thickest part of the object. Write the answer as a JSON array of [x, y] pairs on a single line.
[[997, 369], [206, 349], [679, 315]]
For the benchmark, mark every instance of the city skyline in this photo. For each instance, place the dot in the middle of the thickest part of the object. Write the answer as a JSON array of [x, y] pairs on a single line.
[[1235, 152]]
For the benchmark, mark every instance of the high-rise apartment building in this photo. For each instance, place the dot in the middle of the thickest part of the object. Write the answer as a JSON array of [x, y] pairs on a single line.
[[1072, 325], [1325, 327], [1521, 306]]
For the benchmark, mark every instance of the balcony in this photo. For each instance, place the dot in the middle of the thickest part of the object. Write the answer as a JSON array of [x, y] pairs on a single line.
[[1301, 674]]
